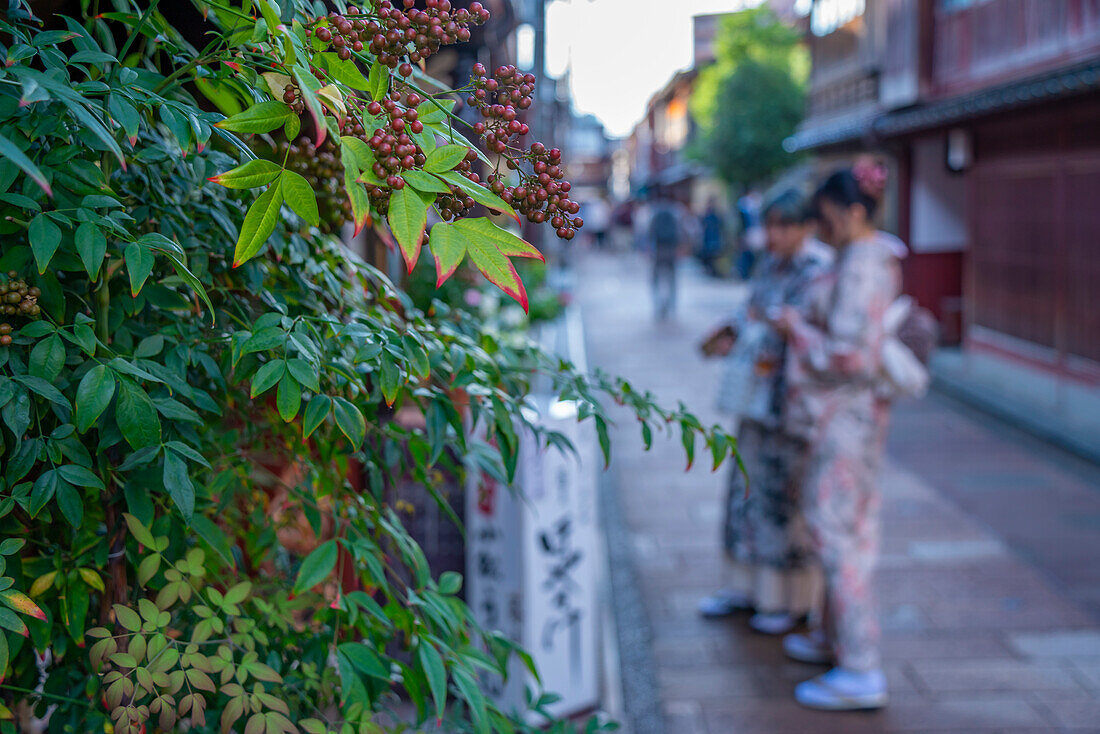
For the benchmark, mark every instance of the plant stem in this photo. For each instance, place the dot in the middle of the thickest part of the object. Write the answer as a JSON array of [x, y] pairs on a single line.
[[43, 694]]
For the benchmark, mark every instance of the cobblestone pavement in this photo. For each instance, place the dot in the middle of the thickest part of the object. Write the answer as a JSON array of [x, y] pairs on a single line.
[[989, 584]]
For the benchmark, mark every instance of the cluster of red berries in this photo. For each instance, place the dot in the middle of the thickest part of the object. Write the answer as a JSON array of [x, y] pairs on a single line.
[[542, 194], [392, 33], [293, 98], [500, 98], [17, 299]]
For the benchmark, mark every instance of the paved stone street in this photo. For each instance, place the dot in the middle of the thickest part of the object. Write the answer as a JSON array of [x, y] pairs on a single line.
[[989, 584]]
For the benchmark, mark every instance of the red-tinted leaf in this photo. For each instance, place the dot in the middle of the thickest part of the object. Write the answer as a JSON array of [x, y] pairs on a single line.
[[448, 247], [407, 217]]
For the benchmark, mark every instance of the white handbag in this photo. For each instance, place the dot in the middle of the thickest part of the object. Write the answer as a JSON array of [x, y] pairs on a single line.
[[904, 375], [737, 391]]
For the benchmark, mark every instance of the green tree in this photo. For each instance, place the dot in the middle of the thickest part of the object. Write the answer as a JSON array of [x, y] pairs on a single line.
[[751, 98]]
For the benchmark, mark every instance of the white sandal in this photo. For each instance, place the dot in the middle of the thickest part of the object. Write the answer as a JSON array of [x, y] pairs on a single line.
[[843, 690]]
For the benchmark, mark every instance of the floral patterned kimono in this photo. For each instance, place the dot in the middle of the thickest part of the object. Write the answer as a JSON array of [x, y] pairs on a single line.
[[763, 532], [833, 372]]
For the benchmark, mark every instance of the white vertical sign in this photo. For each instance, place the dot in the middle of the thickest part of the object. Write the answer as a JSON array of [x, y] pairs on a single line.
[[532, 564]]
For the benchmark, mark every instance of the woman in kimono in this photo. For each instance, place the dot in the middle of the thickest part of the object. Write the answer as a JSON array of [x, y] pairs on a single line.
[[764, 536], [834, 375]]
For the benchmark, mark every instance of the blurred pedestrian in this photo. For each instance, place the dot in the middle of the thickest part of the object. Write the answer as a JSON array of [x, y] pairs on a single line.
[[752, 232], [770, 556], [597, 220], [669, 225], [713, 230], [833, 375]]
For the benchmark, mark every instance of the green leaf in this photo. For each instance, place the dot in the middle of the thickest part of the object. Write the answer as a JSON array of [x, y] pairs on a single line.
[[350, 421], [128, 618], [259, 223], [137, 416], [346, 72], [408, 216], [289, 398], [308, 86], [48, 358], [379, 81], [139, 263], [362, 155], [360, 205], [604, 439], [42, 491], [299, 195], [260, 118], [432, 663], [238, 593], [43, 388], [304, 373], [448, 247], [178, 483], [487, 257], [687, 439], [70, 502], [445, 158], [44, 236], [450, 582], [249, 175], [11, 151], [150, 346], [316, 411], [425, 182], [93, 395], [506, 243], [268, 337], [469, 690], [266, 377], [317, 566], [92, 246], [9, 621], [432, 110], [125, 115], [390, 379], [81, 476], [140, 532], [364, 659]]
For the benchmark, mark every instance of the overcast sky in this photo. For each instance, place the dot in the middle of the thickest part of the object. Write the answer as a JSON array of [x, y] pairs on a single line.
[[622, 51]]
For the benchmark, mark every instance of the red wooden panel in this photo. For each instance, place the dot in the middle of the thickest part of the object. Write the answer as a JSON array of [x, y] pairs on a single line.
[[1082, 327], [1014, 256], [998, 40]]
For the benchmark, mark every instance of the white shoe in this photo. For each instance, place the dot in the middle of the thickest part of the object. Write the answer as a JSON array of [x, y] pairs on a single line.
[[808, 648], [843, 690], [772, 623], [724, 603]]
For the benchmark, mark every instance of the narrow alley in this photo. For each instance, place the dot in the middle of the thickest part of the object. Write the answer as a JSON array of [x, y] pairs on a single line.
[[989, 584]]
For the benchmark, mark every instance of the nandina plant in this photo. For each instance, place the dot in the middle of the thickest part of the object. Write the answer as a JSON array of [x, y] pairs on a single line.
[[206, 401]]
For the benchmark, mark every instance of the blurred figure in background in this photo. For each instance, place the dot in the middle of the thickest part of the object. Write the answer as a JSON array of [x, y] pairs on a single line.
[[597, 220], [669, 224], [752, 233], [713, 230], [665, 236], [771, 561], [834, 370]]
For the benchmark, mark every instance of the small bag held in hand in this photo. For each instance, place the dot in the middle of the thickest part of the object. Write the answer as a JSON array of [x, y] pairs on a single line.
[[737, 390], [719, 343], [911, 336]]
